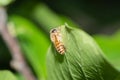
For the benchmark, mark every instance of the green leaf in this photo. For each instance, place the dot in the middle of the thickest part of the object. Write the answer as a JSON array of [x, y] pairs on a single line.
[[110, 45], [7, 75], [118, 77], [33, 42], [82, 60], [5, 2]]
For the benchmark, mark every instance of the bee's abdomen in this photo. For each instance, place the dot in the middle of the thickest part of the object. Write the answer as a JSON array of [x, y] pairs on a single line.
[[60, 48]]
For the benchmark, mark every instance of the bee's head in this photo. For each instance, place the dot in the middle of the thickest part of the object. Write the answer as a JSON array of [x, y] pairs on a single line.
[[53, 30]]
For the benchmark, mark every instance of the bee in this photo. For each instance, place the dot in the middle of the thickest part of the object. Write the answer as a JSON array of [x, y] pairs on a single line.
[[56, 38]]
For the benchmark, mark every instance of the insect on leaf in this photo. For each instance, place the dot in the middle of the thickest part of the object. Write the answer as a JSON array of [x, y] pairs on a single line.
[[82, 60]]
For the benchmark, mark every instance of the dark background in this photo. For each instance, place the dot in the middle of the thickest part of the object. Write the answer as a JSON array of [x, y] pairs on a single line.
[[99, 16]]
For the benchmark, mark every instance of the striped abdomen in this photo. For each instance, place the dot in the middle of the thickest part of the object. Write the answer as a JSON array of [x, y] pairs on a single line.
[[60, 47]]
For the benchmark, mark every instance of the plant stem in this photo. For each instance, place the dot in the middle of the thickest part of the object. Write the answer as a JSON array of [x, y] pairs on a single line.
[[18, 61]]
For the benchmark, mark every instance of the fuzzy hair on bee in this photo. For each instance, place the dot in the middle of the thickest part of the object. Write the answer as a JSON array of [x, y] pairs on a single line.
[[56, 38]]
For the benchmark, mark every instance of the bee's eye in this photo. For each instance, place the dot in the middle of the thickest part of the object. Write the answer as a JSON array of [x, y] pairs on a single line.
[[53, 30]]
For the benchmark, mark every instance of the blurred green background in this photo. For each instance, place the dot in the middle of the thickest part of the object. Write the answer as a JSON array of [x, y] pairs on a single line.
[[30, 21]]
